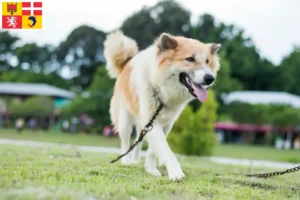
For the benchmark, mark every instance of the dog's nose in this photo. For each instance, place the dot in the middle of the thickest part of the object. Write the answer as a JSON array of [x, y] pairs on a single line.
[[208, 79]]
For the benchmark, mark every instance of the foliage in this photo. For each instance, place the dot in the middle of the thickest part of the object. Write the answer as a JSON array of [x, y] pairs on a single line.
[[193, 133], [247, 113], [148, 23], [95, 101], [34, 106], [29, 76], [289, 68], [274, 114], [81, 53], [225, 82], [284, 116], [7, 46], [34, 57]]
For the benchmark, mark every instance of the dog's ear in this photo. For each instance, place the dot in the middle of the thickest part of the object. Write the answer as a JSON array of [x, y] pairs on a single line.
[[167, 42], [214, 48]]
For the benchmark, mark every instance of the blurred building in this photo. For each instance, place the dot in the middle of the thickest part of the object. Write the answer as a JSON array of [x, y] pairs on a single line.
[[262, 97], [251, 133], [21, 91], [33, 89]]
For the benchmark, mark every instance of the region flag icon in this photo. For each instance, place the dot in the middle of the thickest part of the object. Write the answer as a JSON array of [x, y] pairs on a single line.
[[22, 15]]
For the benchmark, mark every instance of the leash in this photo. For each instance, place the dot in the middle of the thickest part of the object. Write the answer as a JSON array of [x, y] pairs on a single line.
[[149, 127], [272, 174]]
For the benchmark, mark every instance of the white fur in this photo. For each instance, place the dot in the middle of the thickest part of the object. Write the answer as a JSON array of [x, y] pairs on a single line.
[[199, 74], [120, 46]]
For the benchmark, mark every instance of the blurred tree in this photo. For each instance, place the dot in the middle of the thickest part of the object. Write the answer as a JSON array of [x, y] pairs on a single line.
[[81, 52], [224, 82], [206, 29], [267, 77], [29, 76], [281, 116], [34, 57], [247, 113], [179, 137], [290, 70], [38, 106], [284, 116], [7, 46], [245, 62], [95, 101], [148, 23], [82, 81]]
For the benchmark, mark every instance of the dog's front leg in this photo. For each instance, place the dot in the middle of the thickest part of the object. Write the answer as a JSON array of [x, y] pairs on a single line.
[[168, 128], [158, 144], [136, 151], [150, 163]]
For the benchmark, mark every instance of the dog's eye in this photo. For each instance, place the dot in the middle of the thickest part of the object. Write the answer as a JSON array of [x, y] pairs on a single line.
[[190, 59], [207, 61]]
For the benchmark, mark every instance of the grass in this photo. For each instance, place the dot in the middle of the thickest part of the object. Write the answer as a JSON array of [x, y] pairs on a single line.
[[64, 138], [224, 150], [48, 173], [257, 153]]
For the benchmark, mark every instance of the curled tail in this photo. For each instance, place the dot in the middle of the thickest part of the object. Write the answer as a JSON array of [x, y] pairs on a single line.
[[118, 50]]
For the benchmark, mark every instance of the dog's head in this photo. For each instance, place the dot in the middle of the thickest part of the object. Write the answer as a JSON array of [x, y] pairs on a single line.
[[192, 63]]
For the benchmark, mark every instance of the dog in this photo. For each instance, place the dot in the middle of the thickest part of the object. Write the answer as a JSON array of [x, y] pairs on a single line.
[[173, 71]]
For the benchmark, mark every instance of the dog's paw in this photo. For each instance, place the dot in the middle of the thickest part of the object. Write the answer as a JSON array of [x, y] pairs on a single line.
[[176, 175], [153, 172], [126, 161], [129, 161], [135, 162]]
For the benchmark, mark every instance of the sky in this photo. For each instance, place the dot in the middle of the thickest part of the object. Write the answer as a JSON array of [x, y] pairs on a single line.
[[273, 25]]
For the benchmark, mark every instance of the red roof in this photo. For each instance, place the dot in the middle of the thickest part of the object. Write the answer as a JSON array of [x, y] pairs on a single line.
[[242, 127]]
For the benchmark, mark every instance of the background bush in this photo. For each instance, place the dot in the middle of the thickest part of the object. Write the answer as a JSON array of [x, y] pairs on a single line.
[[193, 133]]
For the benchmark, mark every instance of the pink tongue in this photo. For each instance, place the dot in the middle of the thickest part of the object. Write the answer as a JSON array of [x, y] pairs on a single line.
[[200, 92]]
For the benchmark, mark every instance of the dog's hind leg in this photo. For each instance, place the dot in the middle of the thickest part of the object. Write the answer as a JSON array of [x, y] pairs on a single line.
[[125, 129]]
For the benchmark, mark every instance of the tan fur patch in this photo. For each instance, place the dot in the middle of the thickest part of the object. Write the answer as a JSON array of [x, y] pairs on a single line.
[[212, 63], [188, 48], [124, 85]]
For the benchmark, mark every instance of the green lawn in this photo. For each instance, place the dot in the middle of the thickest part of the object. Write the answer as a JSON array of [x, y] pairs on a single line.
[[257, 153], [47, 173], [64, 138], [228, 150]]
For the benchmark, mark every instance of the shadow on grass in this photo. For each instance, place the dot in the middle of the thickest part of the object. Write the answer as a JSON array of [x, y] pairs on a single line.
[[264, 186]]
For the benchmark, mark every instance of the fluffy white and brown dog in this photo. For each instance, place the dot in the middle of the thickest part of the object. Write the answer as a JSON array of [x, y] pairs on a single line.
[[173, 71]]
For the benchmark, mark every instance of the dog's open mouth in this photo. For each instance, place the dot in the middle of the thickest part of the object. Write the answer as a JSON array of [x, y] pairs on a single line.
[[194, 89]]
